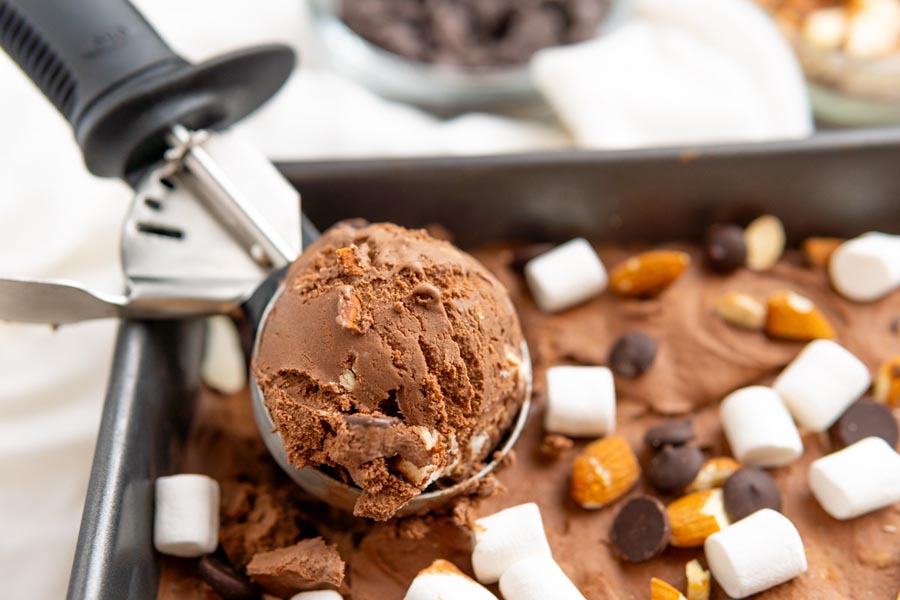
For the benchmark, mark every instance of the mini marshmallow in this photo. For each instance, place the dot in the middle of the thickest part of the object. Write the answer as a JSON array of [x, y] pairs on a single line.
[[537, 578], [187, 515], [223, 367], [820, 383], [866, 268], [581, 401], [862, 477], [759, 428], [318, 595], [506, 537], [565, 276], [443, 581], [756, 553]]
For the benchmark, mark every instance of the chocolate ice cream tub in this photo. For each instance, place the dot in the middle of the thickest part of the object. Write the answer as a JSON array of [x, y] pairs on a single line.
[[840, 184]]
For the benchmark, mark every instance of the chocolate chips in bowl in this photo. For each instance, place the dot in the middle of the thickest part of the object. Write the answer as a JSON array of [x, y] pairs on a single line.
[[454, 55]]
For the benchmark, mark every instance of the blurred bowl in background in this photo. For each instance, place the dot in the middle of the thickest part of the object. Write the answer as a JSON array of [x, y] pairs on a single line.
[[445, 89], [850, 53]]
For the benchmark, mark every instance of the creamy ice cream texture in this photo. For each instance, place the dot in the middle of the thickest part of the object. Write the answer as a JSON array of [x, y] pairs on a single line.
[[391, 360], [700, 360]]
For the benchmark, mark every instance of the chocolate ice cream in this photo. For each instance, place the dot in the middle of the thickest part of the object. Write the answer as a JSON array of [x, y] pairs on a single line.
[[700, 359], [392, 359]]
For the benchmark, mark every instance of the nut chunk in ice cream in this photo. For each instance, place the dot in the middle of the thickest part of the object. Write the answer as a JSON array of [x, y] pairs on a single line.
[[391, 358]]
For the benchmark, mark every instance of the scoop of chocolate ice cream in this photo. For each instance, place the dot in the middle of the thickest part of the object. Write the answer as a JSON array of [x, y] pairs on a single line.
[[392, 358]]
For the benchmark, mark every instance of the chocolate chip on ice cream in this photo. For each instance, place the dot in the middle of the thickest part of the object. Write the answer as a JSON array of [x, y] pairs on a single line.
[[379, 325], [632, 354], [676, 432], [641, 529], [674, 468], [748, 491], [225, 580], [863, 419], [725, 248]]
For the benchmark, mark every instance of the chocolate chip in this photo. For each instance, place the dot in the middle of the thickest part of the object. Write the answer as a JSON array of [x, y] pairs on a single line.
[[863, 419], [725, 249], [671, 433], [521, 256], [473, 33], [674, 468], [749, 490], [225, 580], [641, 529], [895, 325], [632, 354]]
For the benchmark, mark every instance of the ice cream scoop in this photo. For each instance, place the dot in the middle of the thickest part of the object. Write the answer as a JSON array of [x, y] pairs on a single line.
[[389, 371]]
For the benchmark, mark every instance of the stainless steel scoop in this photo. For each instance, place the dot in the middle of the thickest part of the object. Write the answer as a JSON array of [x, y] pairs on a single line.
[[343, 496], [212, 221]]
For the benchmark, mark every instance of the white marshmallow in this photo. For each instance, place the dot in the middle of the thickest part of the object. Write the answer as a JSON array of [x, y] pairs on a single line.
[[759, 428], [866, 268], [581, 401], [862, 477], [506, 537], [565, 276], [820, 383], [187, 515], [443, 581], [756, 553], [537, 578], [223, 367], [318, 595]]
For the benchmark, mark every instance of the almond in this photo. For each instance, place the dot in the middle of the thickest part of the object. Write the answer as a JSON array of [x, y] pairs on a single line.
[[741, 310], [660, 590], [765, 241], [443, 567], [696, 516], [603, 471], [697, 581], [791, 316], [713, 473], [649, 273], [349, 308], [349, 260], [818, 250], [887, 382]]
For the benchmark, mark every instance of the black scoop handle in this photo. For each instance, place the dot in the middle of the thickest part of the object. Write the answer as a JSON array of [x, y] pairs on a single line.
[[119, 84]]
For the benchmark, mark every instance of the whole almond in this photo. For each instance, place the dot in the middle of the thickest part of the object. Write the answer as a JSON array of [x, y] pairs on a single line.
[[741, 310], [696, 516], [791, 316], [660, 590], [713, 473], [765, 240], [818, 250], [649, 273], [604, 471], [887, 382]]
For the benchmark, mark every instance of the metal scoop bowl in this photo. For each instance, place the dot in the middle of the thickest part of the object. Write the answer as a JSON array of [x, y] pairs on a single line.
[[343, 496]]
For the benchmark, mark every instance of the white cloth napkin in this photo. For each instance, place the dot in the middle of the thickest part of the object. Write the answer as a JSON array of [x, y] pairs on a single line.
[[58, 221], [685, 72]]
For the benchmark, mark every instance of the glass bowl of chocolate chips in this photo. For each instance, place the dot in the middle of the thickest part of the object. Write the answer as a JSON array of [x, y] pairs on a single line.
[[451, 56]]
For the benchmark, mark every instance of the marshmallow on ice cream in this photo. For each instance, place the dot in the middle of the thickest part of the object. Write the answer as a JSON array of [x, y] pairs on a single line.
[[866, 268], [391, 359], [756, 553]]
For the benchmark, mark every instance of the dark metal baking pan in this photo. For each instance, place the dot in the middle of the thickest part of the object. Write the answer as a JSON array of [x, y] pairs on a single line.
[[841, 183]]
